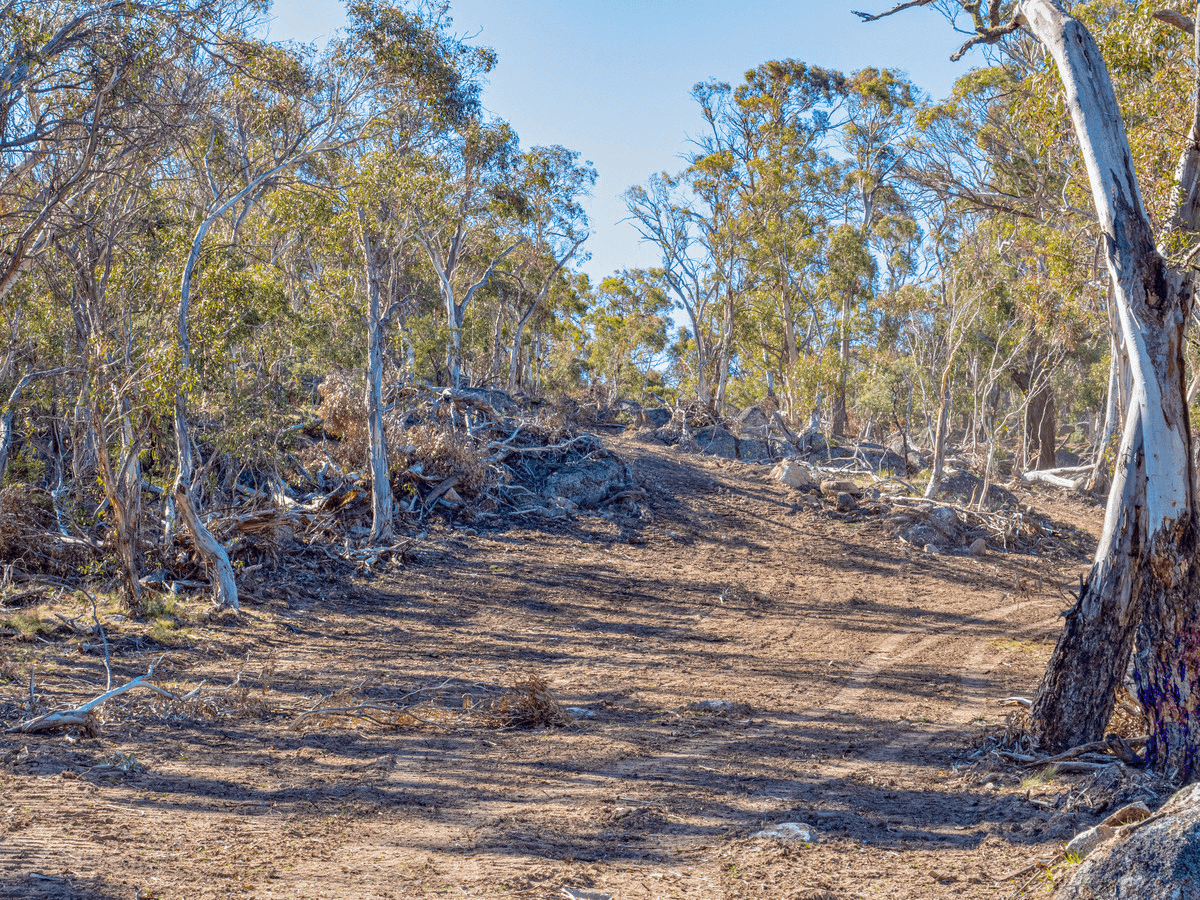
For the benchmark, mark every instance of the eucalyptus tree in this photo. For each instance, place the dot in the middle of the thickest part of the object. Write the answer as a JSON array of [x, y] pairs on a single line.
[[660, 213], [464, 202], [627, 320], [1143, 579], [87, 95], [773, 128], [250, 132], [101, 269], [878, 121], [79, 86], [551, 182], [420, 83]]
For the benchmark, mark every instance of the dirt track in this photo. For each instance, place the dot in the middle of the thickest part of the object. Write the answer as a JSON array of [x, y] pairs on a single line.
[[858, 671]]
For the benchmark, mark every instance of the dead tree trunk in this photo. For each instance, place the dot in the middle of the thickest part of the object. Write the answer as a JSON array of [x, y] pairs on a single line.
[[841, 417]]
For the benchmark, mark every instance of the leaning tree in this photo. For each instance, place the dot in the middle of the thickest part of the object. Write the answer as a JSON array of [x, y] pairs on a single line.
[[1142, 587]]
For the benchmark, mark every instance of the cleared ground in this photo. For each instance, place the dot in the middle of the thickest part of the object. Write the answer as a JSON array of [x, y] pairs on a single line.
[[857, 672]]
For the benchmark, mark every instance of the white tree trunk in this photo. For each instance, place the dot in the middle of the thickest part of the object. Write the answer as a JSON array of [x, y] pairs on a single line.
[[939, 438], [381, 484]]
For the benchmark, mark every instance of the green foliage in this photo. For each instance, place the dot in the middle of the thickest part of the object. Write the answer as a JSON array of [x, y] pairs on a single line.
[[627, 323]]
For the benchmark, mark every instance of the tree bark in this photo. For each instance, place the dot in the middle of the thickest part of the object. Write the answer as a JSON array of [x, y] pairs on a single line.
[[213, 554]]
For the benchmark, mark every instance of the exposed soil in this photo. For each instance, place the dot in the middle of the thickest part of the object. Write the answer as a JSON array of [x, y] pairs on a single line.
[[858, 673]]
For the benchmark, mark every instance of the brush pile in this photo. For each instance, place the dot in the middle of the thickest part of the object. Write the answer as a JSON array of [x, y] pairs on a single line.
[[467, 457]]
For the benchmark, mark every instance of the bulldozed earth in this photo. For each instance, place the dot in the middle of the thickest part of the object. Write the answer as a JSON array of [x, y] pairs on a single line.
[[730, 689]]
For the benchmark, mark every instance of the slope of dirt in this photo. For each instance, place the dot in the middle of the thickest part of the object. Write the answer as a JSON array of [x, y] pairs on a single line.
[[737, 661]]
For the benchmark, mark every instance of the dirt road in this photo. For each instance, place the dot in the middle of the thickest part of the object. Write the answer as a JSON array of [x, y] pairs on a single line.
[[735, 661]]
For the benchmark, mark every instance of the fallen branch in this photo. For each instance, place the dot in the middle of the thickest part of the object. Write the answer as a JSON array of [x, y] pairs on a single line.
[[1053, 478], [1018, 701], [359, 711], [392, 706], [81, 715], [440, 491]]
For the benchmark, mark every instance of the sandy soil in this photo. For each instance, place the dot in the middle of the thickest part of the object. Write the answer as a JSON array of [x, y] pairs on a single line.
[[858, 672]]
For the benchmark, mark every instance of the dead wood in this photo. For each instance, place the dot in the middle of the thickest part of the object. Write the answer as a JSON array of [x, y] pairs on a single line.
[[1055, 478], [82, 716]]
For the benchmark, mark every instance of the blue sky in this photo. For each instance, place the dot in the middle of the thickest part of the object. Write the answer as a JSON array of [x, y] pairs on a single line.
[[612, 78]]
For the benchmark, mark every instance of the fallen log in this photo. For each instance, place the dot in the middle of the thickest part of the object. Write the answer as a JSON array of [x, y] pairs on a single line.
[[1057, 478]]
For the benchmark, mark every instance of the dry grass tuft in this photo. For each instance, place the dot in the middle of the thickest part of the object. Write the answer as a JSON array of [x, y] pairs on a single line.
[[528, 704]]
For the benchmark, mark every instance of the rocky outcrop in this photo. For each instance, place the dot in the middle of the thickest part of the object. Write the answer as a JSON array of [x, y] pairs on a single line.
[[1157, 858]]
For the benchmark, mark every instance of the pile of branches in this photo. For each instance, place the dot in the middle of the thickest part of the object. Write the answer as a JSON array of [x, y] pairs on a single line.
[[508, 460], [36, 536], [469, 456], [1012, 529]]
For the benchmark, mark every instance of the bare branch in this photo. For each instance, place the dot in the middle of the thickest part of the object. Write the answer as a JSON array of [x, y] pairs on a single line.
[[989, 30], [1179, 20], [871, 17], [81, 715], [990, 36]]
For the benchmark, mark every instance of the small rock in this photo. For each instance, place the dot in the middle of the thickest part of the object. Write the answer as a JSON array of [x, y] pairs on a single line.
[[793, 474], [845, 501], [715, 440], [753, 451], [580, 712], [1087, 841], [753, 417], [655, 417], [922, 536], [945, 516], [1127, 815], [978, 547], [713, 705], [789, 831], [451, 498], [575, 894], [839, 487]]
